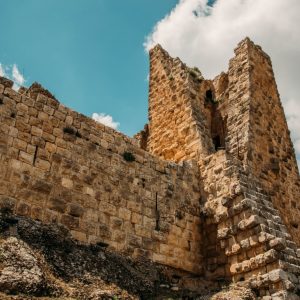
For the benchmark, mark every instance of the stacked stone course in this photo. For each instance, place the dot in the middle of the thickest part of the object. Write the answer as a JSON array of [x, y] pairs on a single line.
[[251, 241]]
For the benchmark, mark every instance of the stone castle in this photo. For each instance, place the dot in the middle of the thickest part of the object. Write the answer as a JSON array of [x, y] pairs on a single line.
[[210, 186]]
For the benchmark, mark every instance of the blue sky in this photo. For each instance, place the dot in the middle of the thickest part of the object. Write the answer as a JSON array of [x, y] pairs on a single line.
[[89, 54]]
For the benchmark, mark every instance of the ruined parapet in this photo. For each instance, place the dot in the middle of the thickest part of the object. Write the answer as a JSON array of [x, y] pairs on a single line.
[[178, 126], [35, 89], [143, 137], [6, 82]]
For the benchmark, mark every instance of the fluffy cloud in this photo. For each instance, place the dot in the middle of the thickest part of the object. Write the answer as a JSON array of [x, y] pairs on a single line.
[[205, 37], [13, 73], [105, 120], [17, 77], [2, 72]]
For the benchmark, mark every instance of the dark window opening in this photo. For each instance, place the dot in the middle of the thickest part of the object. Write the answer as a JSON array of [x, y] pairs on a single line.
[[218, 129], [217, 142], [209, 95]]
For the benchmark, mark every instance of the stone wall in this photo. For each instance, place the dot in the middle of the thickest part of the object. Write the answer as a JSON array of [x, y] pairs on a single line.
[[248, 238], [60, 166]]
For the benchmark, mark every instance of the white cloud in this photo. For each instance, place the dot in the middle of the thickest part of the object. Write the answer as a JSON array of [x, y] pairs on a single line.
[[2, 72], [147, 78], [17, 77], [205, 37], [13, 73], [105, 120], [292, 110]]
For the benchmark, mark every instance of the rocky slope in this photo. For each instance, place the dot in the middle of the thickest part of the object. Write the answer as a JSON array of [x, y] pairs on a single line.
[[40, 261]]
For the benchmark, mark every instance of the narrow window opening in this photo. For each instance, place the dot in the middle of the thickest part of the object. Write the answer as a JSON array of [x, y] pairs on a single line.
[[209, 95], [35, 154], [218, 128], [217, 142]]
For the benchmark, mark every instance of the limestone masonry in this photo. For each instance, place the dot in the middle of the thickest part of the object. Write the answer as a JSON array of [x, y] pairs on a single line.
[[210, 186]]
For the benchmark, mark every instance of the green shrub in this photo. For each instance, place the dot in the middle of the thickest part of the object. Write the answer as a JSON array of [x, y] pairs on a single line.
[[69, 130], [128, 156]]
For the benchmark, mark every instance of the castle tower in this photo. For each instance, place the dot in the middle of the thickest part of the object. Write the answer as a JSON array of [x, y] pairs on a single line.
[[269, 152], [235, 127], [240, 111]]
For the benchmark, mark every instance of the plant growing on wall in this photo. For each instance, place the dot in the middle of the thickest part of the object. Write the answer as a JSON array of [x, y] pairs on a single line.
[[196, 74], [72, 131], [69, 130], [128, 156]]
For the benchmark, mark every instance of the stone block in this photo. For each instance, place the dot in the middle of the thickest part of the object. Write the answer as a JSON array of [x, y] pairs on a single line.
[[48, 110], [75, 210], [104, 231], [134, 206], [116, 223], [136, 218], [70, 221], [124, 214], [159, 258], [30, 149], [23, 209], [57, 204], [25, 157], [67, 183], [13, 131], [42, 186], [79, 236], [118, 236], [277, 275], [109, 208], [50, 147], [134, 240], [19, 144], [42, 164], [142, 231], [36, 131]]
